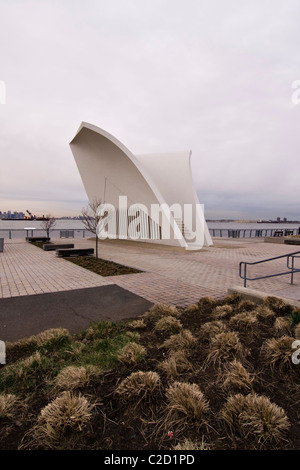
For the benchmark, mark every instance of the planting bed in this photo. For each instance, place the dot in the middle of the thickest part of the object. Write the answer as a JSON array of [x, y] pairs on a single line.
[[215, 375]]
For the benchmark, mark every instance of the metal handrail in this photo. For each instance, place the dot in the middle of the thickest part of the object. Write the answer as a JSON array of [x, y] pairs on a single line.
[[292, 269]]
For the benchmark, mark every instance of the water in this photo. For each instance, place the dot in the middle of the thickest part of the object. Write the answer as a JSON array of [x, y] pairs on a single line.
[[16, 228], [23, 228]]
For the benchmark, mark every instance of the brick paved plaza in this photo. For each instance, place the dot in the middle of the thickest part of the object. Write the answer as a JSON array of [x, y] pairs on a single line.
[[169, 276]]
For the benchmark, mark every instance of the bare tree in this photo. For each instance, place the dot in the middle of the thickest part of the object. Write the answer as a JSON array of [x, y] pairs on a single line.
[[48, 224], [91, 218]]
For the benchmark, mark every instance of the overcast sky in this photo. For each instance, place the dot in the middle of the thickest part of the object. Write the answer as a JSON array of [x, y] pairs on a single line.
[[213, 76]]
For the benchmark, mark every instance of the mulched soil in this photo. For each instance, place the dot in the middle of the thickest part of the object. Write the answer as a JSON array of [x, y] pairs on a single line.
[[117, 426], [101, 266]]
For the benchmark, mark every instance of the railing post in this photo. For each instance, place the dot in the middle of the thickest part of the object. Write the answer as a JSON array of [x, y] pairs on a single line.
[[292, 273]]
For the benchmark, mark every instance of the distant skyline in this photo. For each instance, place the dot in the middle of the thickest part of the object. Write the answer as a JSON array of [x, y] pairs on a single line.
[[217, 77]]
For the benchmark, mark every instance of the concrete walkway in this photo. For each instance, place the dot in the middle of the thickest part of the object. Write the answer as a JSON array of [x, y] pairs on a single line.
[[40, 291], [169, 276]]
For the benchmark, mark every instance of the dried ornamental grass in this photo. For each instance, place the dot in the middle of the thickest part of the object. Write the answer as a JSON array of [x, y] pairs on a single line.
[[74, 377], [277, 352], [297, 331], [278, 305], [131, 353], [139, 324], [212, 328], [264, 314], [282, 326], [158, 311], [191, 309], [256, 419], [184, 340], [38, 340], [222, 311], [232, 299], [52, 334], [139, 387], [244, 321], [186, 406], [236, 377], [176, 364], [66, 414], [188, 444], [8, 403], [206, 304], [225, 347], [246, 305], [168, 324]]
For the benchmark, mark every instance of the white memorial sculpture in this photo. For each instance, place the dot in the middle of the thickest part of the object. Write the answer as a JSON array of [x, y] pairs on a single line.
[[149, 198]]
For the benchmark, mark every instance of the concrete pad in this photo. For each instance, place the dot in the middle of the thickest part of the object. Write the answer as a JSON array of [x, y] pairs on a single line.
[[75, 310]]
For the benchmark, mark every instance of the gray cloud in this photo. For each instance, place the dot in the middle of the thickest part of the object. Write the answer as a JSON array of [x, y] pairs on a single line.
[[161, 75]]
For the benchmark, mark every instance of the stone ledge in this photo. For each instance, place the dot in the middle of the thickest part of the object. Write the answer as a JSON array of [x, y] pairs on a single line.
[[275, 239], [258, 296]]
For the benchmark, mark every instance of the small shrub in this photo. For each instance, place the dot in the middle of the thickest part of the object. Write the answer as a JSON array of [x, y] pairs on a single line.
[[131, 353], [256, 419]]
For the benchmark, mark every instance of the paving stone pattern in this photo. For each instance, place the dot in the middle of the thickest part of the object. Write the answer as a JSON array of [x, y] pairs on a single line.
[[172, 277]]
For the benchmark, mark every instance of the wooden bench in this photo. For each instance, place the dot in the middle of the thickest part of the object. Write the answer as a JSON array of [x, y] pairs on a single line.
[[278, 233], [38, 239], [67, 252], [53, 247]]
